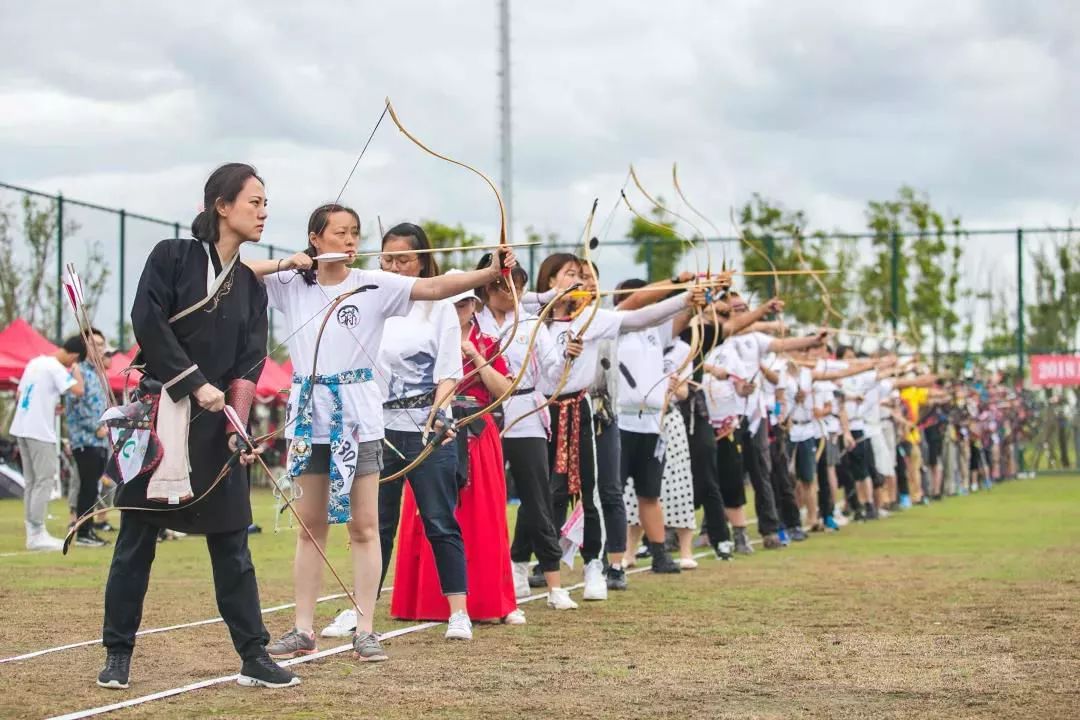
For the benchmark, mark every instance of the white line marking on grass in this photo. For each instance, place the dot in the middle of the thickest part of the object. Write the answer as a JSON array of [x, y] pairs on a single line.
[[154, 631], [91, 712]]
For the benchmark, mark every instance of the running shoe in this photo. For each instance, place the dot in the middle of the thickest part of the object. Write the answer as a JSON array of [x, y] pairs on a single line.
[[344, 625], [115, 673], [616, 578], [368, 648], [261, 671], [459, 627], [292, 644], [595, 582], [559, 599]]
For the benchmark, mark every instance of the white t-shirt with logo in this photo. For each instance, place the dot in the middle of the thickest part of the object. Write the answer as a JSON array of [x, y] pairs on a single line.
[[803, 424], [721, 400], [641, 357], [43, 381], [605, 326], [351, 341], [536, 372], [418, 352]]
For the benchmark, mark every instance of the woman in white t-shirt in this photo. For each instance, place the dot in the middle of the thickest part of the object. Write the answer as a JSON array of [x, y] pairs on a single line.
[[524, 442], [420, 363], [571, 449], [335, 419]]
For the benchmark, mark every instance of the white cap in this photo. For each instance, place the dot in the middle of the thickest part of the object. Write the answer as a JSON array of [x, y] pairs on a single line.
[[467, 295]]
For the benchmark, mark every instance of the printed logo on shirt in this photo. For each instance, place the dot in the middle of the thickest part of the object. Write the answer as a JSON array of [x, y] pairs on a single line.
[[562, 337], [348, 316], [25, 404]]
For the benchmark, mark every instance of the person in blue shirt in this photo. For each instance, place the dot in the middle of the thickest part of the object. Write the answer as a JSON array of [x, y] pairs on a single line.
[[89, 442]]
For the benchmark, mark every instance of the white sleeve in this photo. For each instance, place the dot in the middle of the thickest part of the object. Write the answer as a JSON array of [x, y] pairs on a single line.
[[763, 341], [652, 315], [277, 288], [397, 290], [448, 363], [61, 377], [606, 325], [548, 358]]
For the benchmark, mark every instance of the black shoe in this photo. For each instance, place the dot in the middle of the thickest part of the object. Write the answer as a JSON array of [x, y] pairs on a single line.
[[536, 578], [643, 552], [724, 550], [103, 526], [261, 671], [88, 538], [115, 673], [870, 512], [616, 579], [662, 562], [797, 535]]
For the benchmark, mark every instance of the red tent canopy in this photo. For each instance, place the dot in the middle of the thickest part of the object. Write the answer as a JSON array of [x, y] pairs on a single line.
[[19, 344], [117, 364], [273, 380]]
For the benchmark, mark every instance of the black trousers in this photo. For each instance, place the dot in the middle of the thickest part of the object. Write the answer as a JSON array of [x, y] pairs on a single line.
[[234, 584], [610, 487], [758, 465], [783, 483], [535, 529], [704, 470], [824, 491], [593, 541], [91, 464]]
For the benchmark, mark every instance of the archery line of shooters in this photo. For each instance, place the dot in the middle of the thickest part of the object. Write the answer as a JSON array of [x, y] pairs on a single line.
[[416, 393]]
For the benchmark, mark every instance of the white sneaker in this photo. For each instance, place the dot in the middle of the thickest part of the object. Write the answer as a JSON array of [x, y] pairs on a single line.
[[595, 582], [344, 625], [459, 627], [883, 513], [516, 617], [521, 579], [839, 518], [688, 563], [43, 541], [559, 599]]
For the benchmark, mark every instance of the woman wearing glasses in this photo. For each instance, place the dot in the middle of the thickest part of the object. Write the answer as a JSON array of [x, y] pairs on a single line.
[[335, 427]]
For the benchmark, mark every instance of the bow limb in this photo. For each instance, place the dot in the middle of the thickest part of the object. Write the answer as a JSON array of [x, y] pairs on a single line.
[[597, 299], [502, 236], [715, 229], [826, 296], [663, 228]]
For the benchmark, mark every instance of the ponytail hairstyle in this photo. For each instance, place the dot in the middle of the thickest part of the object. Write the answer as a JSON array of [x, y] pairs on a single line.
[[316, 225], [418, 240], [224, 184]]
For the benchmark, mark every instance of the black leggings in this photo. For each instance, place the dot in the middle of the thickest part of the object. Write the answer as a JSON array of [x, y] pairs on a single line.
[[703, 468], [783, 483], [535, 530], [91, 464], [730, 472]]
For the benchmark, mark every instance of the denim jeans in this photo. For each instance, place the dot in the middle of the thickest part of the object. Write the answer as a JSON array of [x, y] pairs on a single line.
[[434, 484]]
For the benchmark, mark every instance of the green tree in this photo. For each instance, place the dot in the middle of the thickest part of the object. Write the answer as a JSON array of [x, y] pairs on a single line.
[[27, 287], [928, 274], [1054, 317], [453, 236], [658, 245], [770, 232]]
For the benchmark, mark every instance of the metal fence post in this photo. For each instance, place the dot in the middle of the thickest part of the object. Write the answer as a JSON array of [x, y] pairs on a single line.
[[270, 310], [1020, 331], [60, 266], [894, 284], [120, 267], [176, 230]]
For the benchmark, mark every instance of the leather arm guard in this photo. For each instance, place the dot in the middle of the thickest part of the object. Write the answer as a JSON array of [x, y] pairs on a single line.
[[240, 395]]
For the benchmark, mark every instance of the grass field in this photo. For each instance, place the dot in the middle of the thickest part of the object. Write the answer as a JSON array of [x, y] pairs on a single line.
[[968, 608]]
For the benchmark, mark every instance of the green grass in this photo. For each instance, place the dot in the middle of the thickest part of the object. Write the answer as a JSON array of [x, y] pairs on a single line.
[[966, 608]]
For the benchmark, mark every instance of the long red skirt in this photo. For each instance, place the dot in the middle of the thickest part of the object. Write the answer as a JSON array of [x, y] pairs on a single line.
[[481, 512]]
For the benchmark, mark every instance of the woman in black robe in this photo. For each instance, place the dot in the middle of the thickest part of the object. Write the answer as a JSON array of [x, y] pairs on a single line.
[[199, 317]]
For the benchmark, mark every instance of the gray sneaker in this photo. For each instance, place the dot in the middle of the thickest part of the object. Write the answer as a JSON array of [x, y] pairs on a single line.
[[368, 648], [292, 644], [742, 542]]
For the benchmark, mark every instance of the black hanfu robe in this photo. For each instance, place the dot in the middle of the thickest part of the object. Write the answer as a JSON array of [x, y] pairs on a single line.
[[223, 340]]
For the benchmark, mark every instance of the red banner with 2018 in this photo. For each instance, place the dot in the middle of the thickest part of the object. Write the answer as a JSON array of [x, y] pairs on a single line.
[[1055, 369]]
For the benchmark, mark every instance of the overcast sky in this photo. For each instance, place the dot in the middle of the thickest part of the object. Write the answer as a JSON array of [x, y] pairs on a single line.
[[819, 105]]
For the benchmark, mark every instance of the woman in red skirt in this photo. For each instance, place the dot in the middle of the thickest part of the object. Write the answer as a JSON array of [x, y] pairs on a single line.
[[481, 510]]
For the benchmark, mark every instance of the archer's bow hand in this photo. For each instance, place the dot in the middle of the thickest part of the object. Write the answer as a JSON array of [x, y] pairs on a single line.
[[574, 347], [723, 279], [249, 454], [775, 305], [697, 298]]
